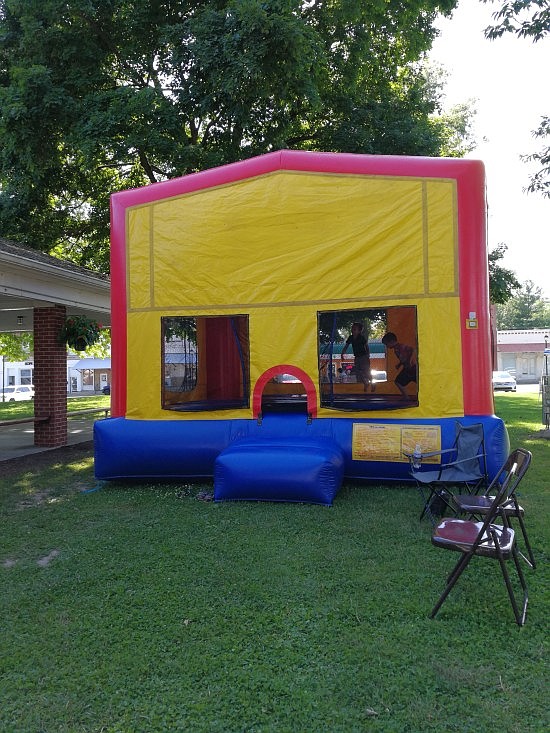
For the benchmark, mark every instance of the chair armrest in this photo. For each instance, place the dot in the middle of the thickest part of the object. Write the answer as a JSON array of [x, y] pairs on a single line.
[[463, 460], [432, 453]]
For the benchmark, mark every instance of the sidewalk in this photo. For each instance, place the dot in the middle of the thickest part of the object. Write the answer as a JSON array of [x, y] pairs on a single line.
[[17, 441]]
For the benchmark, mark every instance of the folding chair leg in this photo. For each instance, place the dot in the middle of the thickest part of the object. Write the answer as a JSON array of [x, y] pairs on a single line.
[[523, 586], [447, 498], [474, 489], [531, 561], [455, 568], [426, 511], [451, 581], [520, 617]]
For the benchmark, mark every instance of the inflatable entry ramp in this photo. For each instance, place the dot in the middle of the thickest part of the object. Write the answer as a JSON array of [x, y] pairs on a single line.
[[291, 470]]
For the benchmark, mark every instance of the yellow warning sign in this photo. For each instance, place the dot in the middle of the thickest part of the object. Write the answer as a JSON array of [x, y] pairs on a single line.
[[380, 442]]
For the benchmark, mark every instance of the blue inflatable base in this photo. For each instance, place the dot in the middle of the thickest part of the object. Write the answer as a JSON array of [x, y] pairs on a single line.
[[296, 469], [188, 449]]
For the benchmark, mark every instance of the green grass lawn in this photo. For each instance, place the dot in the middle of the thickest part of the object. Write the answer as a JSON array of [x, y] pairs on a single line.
[[140, 608], [12, 410]]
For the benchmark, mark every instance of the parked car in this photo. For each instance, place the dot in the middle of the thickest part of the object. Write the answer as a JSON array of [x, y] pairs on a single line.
[[504, 381], [286, 379], [377, 375], [17, 393]]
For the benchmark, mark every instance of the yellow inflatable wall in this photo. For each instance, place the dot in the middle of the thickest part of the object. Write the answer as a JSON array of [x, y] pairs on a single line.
[[283, 246]]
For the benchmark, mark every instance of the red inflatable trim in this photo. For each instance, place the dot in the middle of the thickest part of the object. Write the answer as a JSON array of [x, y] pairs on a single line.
[[311, 392]]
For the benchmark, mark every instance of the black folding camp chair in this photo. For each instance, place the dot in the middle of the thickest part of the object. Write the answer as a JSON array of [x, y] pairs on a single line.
[[462, 466], [478, 506], [488, 539]]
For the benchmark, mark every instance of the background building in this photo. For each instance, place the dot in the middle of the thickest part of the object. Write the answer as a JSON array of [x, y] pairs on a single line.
[[83, 375], [522, 353]]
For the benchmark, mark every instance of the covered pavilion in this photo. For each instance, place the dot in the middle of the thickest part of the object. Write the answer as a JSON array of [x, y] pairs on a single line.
[[37, 293]]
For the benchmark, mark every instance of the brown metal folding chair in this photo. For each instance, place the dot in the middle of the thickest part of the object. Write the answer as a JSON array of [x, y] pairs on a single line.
[[478, 506], [488, 539]]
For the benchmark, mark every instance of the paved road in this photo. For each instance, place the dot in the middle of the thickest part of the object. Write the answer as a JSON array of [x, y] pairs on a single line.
[[528, 387]]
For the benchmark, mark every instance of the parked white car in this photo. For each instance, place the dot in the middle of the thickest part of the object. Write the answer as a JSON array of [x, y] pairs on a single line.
[[377, 375], [286, 379], [17, 393], [504, 381]]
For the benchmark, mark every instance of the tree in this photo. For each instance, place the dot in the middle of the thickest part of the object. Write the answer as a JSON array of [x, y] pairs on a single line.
[[528, 19], [335, 326], [540, 181], [502, 282], [19, 347], [15, 347], [455, 124], [527, 309], [98, 96], [524, 18]]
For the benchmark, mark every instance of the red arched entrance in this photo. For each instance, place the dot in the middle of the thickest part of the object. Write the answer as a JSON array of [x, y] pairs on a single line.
[[263, 379]]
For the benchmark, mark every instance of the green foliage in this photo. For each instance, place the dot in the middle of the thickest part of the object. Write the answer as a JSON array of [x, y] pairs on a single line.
[[16, 347], [129, 92], [101, 348], [524, 18], [155, 611], [335, 326], [502, 282], [19, 347], [527, 309], [540, 181], [455, 124], [456, 130], [80, 332], [180, 328]]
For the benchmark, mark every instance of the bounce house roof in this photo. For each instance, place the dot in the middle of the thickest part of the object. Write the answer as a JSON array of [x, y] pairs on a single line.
[[299, 161]]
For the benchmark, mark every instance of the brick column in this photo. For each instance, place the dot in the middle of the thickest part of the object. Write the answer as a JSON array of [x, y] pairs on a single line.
[[50, 377]]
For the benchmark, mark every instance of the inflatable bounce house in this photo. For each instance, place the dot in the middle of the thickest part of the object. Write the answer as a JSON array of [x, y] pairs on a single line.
[[234, 292]]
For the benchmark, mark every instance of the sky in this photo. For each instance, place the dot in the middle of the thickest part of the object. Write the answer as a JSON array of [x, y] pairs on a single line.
[[508, 78]]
